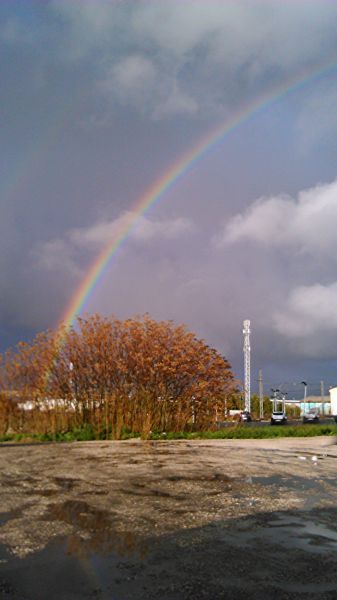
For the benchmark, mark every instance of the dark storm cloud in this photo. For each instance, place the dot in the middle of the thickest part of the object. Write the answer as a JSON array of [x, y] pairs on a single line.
[[99, 99]]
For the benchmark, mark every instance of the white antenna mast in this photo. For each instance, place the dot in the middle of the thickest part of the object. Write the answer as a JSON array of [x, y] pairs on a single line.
[[246, 354]]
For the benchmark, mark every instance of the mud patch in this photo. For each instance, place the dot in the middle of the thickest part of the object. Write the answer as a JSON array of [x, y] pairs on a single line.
[[151, 492], [42, 492]]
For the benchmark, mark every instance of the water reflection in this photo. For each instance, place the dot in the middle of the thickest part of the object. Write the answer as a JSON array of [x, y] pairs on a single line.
[[96, 531]]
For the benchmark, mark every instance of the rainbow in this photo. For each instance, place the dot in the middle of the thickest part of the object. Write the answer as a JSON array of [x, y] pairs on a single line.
[[164, 183]]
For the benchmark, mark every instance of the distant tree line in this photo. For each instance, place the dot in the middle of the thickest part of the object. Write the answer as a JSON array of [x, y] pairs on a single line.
[[137, 375]]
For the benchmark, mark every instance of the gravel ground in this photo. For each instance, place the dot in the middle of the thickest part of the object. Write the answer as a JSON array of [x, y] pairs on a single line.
[[217, 519]]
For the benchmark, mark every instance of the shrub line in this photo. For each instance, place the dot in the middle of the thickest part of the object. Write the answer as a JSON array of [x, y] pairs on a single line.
[[235, 432]]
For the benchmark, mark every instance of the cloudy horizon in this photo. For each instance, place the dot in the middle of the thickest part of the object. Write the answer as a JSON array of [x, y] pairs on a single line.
[[99, 100]]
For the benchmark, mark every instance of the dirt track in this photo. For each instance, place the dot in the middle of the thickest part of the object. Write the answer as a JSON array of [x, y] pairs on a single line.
[[250, 519]]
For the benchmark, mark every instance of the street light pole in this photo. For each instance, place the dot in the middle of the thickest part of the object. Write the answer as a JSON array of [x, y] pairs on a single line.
[[305, 394], [246, 354], [261, 393]]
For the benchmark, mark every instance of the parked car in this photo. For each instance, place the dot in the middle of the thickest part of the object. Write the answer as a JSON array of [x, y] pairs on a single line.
[[278, 417], [311, 417], [245, 416]]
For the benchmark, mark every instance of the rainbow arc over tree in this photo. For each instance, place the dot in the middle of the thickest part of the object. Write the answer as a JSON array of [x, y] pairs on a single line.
[[159, 189]]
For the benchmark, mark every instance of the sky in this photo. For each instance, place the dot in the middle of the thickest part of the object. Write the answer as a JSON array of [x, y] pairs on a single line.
[[100, 98]]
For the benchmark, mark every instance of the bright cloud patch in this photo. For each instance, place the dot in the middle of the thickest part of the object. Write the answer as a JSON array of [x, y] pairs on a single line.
[[308, 320], [132, 81], [306, 224], [308, 310]]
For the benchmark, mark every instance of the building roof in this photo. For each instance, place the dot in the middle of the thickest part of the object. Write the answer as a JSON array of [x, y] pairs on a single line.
[[316, 399]]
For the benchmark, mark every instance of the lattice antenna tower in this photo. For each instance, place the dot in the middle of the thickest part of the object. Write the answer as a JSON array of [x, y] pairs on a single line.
[[246, 355]]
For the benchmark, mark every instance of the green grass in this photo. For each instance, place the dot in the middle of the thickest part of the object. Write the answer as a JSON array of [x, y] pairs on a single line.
[[242, 432], [82, 434], [228, 433]]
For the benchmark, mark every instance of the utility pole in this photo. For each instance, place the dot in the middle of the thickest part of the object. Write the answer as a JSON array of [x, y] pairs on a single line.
[[275, 398], [261, 393], [246, 355], [322, 398]]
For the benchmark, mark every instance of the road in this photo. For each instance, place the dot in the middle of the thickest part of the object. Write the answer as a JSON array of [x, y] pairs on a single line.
[[180, 520], [292, 422]]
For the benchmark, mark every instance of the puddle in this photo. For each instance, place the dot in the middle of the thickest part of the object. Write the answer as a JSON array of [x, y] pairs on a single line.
[[8, 516], [63, 571], [301, 533], [293, 483], [107, 543], [310, 588], [65, 483], [100, 563], [288, 531], [197, 478], [80, 514], [94, 530], [309, 490]]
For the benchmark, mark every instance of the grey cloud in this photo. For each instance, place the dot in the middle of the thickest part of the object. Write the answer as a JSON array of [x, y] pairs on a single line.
[[88, 26], [13, 32], [237, 31], [138, 82], [55, 256], [176, 103], [317, 120], [166, 58], [62, 253]]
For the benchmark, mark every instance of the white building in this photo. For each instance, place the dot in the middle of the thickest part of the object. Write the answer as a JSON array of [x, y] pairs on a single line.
[[333, 401], [317, 404]]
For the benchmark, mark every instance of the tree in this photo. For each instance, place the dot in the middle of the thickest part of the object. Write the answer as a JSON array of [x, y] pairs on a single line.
[[139, 374]]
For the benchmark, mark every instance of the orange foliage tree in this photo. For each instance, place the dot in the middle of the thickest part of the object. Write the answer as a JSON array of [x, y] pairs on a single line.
[[138, 374]]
